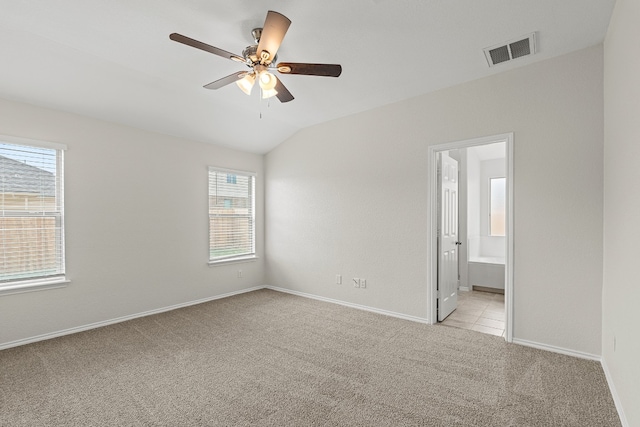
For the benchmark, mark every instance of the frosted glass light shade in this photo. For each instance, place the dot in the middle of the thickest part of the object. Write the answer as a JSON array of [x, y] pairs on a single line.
[[268, 93], [267, 81], [246, 83]]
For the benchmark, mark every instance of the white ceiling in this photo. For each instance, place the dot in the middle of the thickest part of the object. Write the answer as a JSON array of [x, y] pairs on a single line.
[[113, 60], [494, 151]]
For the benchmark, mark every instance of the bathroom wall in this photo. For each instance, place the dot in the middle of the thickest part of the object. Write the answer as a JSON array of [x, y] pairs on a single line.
[[479, 243], [463, 271], [473, 192]]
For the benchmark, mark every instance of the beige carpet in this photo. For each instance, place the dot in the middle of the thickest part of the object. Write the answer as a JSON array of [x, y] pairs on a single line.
[[272, 359]]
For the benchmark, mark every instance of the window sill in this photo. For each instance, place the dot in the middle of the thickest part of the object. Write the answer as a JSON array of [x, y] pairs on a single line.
[[33, 285], [248, 258]]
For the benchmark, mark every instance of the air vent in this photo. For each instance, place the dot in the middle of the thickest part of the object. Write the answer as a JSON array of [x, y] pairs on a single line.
[[517, 48]]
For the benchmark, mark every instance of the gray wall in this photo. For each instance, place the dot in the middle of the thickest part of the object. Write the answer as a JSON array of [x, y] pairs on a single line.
[[136, 223], [350, 197], [621, 296]]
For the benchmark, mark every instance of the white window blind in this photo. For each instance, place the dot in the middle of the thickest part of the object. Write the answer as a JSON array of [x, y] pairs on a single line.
[[231, 214], [31, 213]]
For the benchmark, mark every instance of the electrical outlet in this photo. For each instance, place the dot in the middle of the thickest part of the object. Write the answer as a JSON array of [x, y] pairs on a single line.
[[338, 279], [356, 283], [363, 283], [239, 274]]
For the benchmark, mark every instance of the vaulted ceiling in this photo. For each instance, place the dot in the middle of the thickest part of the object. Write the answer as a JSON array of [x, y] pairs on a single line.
[[113, 60]]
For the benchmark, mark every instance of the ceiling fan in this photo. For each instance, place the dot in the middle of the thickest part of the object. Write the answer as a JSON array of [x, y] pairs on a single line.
[[261, 59]]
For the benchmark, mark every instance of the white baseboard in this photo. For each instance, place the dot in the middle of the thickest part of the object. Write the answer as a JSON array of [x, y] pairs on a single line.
[[464, 288], [614, 394], [555, 349], [352, 305], [119, 319]]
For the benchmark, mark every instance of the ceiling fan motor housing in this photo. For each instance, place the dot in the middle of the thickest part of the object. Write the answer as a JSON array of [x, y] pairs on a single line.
[[250, 53]]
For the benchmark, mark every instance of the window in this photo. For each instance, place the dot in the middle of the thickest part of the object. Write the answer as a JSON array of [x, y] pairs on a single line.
[[231, 215], [497, 199], [31, 213]]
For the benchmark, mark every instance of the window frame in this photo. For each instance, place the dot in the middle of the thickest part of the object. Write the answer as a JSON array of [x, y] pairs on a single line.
[[58, 280], [247, 256]]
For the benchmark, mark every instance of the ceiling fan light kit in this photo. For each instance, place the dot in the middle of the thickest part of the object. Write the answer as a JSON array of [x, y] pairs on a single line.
[[246, 83], [268, 93], [267, 80], [268, 84], [261, 58]]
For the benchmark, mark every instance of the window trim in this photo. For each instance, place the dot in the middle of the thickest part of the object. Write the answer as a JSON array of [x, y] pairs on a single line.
[[31, 285], [234, 258], [33, 142], [44, 282]]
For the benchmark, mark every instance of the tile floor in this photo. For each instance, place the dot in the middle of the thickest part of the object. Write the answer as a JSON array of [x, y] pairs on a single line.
[[479, 311]]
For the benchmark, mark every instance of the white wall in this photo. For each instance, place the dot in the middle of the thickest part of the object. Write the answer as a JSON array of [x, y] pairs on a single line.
[[136, 223], [473, 192], [350, 197], [463, 190], [621, 294]]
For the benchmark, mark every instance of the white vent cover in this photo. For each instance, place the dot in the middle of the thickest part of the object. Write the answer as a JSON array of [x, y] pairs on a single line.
[[516, 48]]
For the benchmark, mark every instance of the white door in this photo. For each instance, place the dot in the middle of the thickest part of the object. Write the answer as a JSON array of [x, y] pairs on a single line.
[[448, 243]]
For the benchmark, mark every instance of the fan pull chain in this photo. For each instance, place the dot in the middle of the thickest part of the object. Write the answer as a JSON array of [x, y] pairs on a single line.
[[268, 103]]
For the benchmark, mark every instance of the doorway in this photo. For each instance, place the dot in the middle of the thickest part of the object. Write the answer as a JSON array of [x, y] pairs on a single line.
[[439, 296]]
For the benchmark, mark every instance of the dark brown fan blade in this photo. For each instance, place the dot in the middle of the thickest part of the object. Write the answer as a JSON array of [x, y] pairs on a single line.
[[283, 93], [226, 80], [275, 27], [203, 46], [327, 70]]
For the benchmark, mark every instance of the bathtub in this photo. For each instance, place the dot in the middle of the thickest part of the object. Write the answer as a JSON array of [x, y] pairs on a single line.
[[486, 262]]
